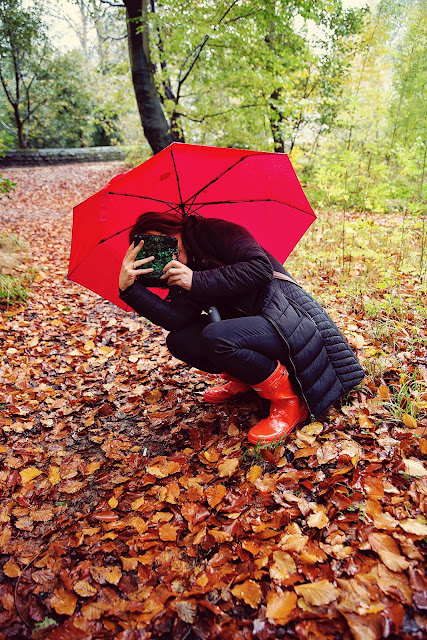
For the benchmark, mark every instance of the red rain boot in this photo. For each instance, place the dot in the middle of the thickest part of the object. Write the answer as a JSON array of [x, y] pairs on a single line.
[[286, 411], [216, 395]]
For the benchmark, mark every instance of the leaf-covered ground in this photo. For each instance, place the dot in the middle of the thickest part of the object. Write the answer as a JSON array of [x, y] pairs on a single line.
[[131, 511]]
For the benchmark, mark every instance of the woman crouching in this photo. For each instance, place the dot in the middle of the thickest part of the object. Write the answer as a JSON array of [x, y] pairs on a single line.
[[272, 336]]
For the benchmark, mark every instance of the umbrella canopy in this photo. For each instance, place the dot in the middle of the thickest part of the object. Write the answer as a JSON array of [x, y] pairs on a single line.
[[258, 190]]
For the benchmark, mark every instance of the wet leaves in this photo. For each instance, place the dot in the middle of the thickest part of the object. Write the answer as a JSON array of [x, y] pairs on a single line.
[[130, 510]]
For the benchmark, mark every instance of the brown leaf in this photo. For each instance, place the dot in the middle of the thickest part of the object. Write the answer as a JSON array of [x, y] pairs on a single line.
[[249, 591], [280, 606], [42, 515], [167, 532], [228, 467], [220, 536], [409, 421], [94, 610], [137, 503], [11, 569], [54, 476], [129, 564], [29, 474], [282, 567], [254, 473], [113, 575], [414, 468], [63, 601], [152, 396], [318, 593], [186, 611], [383, 392], [84, 589], [215, 494], [194, 492], [411, 525], [318, 519], [388, 551]]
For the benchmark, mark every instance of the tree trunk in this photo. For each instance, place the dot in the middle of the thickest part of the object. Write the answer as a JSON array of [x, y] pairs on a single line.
[[156, 127], [275, 117]]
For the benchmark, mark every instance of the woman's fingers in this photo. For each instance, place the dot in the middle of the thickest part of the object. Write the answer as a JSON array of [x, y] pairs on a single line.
[[138, 263], [170, 272], [135, 249], [172, 263], [139, 272]]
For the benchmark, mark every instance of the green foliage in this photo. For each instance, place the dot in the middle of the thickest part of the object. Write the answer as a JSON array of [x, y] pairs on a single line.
[[240, 76], [25, 53], [374, 157], [14, 284], [65, 106], [6, 186]]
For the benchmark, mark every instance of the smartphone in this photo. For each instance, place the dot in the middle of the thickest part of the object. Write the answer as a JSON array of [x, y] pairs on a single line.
[[164, 249]]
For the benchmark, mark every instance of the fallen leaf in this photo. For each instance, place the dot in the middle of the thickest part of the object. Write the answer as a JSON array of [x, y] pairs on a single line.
[[29, 474], [254, 473], [414, 468], [410, 525], [228, 467], [409, 421], [318, 519], [84, 589], [129, 564], [11, 569], [63, 601], [186, 611], [215, 495], [54, 476], [249, 591], [137, 503], [167, 532], [280, 606], [283, 566], [318, 593], [388, 551]]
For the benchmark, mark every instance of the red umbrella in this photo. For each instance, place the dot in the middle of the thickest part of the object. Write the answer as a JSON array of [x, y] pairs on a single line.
[[255, 189]]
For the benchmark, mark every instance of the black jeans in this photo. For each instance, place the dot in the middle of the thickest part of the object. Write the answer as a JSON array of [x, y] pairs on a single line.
[[246, 348]]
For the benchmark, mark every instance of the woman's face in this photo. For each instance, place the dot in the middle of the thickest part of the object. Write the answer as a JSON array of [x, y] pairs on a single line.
[[182, 254]]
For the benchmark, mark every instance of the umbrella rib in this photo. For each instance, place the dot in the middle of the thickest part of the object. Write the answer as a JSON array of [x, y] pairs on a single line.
[[117, 232], [97, 244], [182, 207], [194, 196], [202, 204], [172, 205]]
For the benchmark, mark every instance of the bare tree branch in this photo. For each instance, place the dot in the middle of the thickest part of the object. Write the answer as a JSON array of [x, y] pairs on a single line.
[[219, 113], [112, 4]]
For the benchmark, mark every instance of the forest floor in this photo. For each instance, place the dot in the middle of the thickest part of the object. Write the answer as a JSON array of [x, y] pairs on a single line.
[[131, 510]]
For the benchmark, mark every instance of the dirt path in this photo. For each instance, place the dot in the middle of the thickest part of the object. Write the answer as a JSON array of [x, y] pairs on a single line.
[[132, 511]]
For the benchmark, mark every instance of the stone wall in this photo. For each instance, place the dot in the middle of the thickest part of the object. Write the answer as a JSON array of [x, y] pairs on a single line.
[[40, 157]]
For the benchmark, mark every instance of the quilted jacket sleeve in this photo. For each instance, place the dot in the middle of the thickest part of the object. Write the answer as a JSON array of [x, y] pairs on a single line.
[[244, 265], [172, 315]]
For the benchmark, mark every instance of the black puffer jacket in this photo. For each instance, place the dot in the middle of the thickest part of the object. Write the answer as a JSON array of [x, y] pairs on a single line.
[[234, 273]]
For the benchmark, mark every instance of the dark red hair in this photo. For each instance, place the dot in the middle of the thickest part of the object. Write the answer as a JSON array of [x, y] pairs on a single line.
[[168, 223]]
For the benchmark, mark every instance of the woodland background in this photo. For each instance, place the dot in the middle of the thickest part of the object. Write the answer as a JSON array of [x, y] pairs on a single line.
[[129, 509], [339, 87]]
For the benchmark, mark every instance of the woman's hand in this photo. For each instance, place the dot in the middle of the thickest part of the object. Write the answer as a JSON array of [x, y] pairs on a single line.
[[179, 274], [129, 270]]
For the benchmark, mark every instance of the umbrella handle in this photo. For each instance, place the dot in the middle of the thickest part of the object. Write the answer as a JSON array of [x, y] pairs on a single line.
[[213, 315]]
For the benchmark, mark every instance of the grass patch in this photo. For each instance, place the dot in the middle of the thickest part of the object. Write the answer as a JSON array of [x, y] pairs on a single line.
[[15, 277]]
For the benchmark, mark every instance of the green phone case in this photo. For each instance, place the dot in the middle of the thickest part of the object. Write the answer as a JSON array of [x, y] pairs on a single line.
[[164, 249]]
